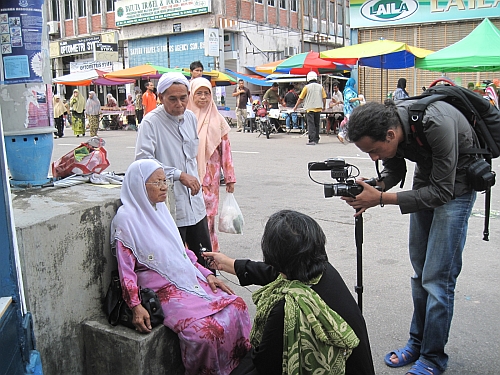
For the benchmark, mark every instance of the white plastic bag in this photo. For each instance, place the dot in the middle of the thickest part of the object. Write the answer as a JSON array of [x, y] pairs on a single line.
[[230, 217]]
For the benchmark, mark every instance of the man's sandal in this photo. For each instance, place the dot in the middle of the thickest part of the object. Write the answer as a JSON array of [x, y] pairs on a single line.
[[420, 368], [405, 356]]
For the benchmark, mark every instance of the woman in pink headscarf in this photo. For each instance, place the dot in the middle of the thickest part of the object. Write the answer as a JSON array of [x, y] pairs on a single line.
[[214, 150]]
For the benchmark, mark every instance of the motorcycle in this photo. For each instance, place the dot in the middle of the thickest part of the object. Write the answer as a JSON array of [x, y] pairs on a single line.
[[262, 121]]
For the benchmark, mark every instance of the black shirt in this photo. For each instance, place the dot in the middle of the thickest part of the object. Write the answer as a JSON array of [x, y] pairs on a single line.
[[291, 99]]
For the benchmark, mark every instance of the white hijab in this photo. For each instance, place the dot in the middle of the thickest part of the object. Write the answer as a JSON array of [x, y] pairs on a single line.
[[150, 231]]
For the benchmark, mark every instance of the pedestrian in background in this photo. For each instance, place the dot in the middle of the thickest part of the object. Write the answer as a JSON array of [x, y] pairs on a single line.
[[196, 69], [214, 151], [130, 112], [400, 92], [149, 98], [93, 111], [243, 97], [289, 101], [77, 105], [59, 111], [139, 110], [337, 106], [314, 97]]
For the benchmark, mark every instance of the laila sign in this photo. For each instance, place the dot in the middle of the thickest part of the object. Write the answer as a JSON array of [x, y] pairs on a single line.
[[388, 10]]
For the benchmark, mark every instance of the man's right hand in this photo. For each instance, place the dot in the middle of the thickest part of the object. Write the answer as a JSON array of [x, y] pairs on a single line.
[[190, 182]]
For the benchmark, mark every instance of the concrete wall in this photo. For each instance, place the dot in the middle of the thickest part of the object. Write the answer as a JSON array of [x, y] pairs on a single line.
[[63, 238]]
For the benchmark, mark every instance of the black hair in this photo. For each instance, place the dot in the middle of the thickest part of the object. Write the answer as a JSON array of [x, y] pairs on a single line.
[[240, 80], [275, 84], [373, 120], [294, 244], [291, 87], [195, 64]]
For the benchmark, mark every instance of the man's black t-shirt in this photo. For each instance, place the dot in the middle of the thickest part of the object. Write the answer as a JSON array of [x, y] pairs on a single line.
[[291, 99]]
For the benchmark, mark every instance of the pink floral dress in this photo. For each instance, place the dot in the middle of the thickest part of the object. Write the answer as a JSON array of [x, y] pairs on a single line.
[[213, 334], [211, 184]]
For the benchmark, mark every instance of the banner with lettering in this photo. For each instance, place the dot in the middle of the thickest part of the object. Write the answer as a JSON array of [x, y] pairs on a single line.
[[372, 13], [21, 24], [131, 12]]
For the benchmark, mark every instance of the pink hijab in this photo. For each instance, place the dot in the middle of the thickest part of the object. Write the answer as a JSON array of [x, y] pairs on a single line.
[[212, 126]]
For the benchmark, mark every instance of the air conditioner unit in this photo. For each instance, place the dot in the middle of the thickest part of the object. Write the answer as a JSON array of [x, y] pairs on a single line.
[[290, 51], [53, 27]]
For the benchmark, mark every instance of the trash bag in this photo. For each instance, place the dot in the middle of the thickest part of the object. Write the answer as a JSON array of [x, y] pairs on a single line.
[[230, 217], [84, 159]]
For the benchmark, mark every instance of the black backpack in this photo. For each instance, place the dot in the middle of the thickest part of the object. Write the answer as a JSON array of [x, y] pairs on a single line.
[[485, 121]]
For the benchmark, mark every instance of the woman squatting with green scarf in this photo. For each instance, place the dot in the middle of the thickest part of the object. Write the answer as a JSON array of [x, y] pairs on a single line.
[[307, 319]]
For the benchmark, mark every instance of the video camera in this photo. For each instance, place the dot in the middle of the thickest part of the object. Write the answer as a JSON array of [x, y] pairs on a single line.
[[343, 173]]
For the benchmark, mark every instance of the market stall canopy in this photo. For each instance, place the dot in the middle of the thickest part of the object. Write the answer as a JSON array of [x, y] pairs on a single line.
[[253, 79], [90, 77], [255, 71], [269, 67], [303, 63], [385, 54], [145, 71], [217, 78], [221, 79], [477, 52]]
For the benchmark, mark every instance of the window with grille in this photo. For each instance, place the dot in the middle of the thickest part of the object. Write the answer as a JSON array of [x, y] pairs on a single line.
[[110, 5], [82, 8], [55, 10], [270, 3], [283, 4], [96, 6], [68, 10], [293, 5]]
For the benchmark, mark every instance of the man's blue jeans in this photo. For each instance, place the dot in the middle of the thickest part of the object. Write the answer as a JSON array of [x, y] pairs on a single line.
[[291, 117], [437, 239]]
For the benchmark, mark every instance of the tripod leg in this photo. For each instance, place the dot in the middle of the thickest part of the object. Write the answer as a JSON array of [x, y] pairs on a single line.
[[358, 235]]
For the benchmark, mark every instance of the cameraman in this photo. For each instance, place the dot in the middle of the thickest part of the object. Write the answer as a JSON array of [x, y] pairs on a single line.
[[440, 204]]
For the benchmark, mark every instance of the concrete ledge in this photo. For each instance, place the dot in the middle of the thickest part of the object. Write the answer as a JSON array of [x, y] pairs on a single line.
[[121, 350]]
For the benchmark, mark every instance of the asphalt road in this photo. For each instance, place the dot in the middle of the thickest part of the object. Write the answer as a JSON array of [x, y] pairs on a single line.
[[272, 175]]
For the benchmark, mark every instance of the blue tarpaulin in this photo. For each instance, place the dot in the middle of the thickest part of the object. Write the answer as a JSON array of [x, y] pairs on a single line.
[[252, 80]]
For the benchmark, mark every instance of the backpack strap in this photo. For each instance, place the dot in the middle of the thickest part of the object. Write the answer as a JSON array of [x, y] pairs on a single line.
[[417, 112]]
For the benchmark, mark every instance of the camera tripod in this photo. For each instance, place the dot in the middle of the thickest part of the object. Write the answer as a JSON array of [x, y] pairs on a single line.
[[358, 237]]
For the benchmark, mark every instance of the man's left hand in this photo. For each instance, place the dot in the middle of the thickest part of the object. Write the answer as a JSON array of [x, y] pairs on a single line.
[[190, 182], [369, 197], [216, 283]]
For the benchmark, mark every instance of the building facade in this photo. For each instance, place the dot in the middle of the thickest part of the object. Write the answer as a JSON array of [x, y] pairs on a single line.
[[174, 33], [432, 25]]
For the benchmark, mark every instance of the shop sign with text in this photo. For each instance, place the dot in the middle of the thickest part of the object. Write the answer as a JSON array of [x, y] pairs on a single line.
[[370, 13], [130, 12]]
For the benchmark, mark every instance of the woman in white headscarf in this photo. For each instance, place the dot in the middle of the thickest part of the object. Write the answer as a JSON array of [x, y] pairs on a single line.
[[213, 324], [214, 150], [77, 105], [93, 111], [59, 111]]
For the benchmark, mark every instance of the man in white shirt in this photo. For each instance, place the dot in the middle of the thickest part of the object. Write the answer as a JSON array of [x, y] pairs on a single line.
[[168, 134]]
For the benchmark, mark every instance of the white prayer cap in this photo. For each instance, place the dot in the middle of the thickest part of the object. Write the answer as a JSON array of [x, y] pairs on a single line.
[[168, 79]]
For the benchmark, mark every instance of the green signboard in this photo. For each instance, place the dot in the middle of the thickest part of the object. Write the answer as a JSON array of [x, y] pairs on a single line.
[[130, 12]]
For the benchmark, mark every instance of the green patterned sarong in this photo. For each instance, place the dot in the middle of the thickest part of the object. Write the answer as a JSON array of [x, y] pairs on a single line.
[[316, 340]]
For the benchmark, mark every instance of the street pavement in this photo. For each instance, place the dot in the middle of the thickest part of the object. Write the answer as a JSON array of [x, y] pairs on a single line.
[[272, 175]]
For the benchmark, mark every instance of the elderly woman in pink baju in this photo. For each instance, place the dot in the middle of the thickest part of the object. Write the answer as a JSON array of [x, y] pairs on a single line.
[[214, 151], [211, 322]]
